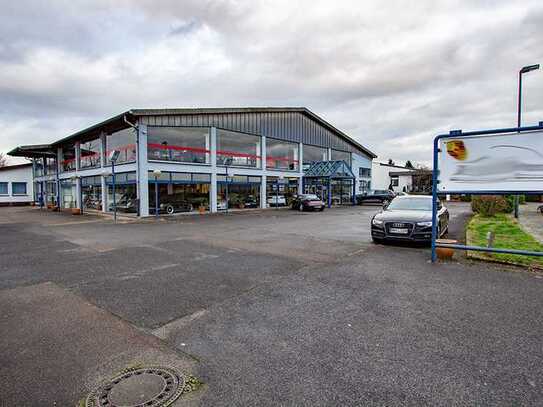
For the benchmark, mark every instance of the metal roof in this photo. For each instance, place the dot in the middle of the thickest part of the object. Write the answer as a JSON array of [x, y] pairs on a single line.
[[15, 166], [36, 150], [117, 122], [329, 169]]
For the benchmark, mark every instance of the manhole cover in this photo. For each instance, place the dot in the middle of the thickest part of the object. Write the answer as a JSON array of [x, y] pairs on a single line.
[[142, 387]]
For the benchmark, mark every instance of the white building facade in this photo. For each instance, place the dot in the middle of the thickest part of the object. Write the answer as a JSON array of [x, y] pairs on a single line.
[[190, 160], [16, 186], [385, 176]]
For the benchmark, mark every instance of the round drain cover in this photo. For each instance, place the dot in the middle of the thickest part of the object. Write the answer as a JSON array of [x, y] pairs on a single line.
[[142, 387]]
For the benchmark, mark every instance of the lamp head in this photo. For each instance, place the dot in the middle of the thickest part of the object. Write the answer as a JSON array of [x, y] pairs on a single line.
[[157, 173], [114, 155], [529, 68]]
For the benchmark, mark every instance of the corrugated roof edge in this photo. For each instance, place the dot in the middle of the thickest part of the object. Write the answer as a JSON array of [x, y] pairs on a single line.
[[172, 111], [303, 110]]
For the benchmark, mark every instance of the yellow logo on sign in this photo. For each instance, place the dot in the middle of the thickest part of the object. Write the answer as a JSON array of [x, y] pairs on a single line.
[[457, 149]]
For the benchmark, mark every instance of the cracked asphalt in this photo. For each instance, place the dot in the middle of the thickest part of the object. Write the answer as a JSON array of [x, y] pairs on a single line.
[[269, 307]]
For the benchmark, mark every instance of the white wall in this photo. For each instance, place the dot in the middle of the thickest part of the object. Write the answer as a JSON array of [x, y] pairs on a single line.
[[17, 174], [380, 176], [360, 161]]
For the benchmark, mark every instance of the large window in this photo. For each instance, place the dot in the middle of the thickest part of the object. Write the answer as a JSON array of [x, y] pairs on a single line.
[[364, 172], [51, 192], [280, 192], [38, 167], [50, 165], [68, 158], [125, 192], [91, 192], [90, 154], [341, 155], [179, 192], [4, 188], [18, 188], [281, 155], [183, 144], [313, 154], [239, 191], [68, 194], [125, 142], [238, 149]]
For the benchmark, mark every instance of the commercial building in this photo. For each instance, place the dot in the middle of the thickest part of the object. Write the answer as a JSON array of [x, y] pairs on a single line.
[[197, 160], [16, 187]]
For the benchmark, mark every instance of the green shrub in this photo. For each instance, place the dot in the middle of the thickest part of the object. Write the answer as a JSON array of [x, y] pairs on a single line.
[[490, 205]]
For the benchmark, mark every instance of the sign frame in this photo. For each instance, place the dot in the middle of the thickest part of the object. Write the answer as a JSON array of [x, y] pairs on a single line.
[[435, 181]]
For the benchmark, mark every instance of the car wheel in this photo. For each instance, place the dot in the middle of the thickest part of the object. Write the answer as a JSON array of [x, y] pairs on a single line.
[[321, 209], [170, 209]]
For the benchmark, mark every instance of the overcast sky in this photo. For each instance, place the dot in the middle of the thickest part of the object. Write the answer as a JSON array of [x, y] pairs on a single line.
[[390, 74]]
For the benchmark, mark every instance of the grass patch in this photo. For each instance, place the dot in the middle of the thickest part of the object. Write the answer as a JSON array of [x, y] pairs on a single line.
[[508, 235]]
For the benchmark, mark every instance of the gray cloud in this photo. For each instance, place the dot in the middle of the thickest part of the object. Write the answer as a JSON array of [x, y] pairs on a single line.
[[390, 74]]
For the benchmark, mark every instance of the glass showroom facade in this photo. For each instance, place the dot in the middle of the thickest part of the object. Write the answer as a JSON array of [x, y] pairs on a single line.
[[182, 161]]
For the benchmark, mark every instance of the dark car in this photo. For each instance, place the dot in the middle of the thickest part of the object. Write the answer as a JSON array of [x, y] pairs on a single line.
[[307, 202], [170, 205], [376, 196], [408, 218], [250, 202], [126, 203]]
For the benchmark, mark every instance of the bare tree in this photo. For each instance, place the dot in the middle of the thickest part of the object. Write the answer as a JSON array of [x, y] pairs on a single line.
[[3, 160]]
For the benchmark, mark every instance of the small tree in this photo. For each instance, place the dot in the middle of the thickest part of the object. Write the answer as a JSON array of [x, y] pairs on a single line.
[[390, 161], [409, 164]]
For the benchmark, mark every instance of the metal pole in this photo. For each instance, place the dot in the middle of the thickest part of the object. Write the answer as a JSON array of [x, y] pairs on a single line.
[[435, 172], [519, 109], [277, 193], [156, 197], [113, 187], [227, 204]]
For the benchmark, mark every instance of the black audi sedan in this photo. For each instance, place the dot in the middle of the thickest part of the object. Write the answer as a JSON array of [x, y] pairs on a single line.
[[408, 218]]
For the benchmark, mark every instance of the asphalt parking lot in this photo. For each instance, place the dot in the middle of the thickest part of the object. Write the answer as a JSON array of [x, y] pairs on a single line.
[[268, 307]]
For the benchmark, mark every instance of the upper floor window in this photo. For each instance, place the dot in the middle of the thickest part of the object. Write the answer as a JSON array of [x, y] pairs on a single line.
[[341, 155], [313, 154], [182, 144], [68, 158], [90, 154], [238, 149], [123, 141], [50, 165], [38, 167], [364, 172], [281, 155]]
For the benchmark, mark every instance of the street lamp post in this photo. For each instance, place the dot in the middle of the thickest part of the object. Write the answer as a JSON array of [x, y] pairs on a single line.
[[227, 162], [524, 70], [157, 174]]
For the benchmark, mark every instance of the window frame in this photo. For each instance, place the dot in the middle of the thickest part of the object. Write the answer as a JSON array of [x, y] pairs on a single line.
[[13, 193]]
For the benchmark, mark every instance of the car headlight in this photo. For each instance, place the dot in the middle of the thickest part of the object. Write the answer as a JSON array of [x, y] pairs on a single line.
[[425, 224], [377, 222]]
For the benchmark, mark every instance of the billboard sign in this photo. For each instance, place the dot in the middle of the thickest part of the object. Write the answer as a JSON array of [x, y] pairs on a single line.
[[509, 162]]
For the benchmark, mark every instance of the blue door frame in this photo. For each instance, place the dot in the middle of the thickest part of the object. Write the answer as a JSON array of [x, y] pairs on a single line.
[[435, 181]]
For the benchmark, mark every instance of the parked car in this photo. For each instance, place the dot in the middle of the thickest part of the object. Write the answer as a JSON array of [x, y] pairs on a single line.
[[376, 196], [126, 203], [277, 200], [171, 204], [222, 205], [308, 202], [250, 202], [408, 218]]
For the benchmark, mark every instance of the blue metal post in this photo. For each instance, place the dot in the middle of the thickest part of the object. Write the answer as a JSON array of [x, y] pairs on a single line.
[[329, 192], [435, 172], [156, 197], [113, 188]]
